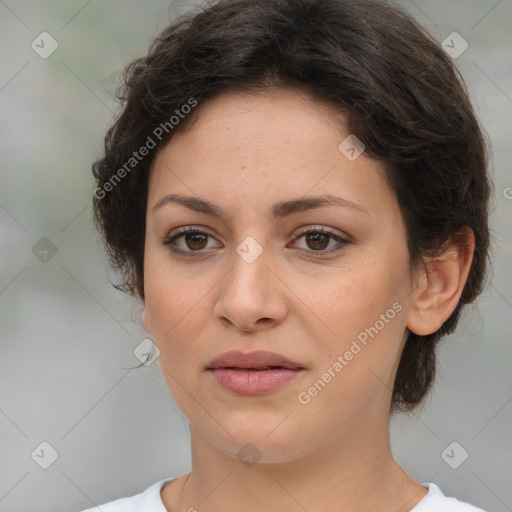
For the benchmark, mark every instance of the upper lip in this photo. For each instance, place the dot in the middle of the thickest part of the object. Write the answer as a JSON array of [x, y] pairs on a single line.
[[256, 359]]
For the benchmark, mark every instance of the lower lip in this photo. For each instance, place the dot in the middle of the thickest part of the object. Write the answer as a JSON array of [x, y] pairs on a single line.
[[251, 382]]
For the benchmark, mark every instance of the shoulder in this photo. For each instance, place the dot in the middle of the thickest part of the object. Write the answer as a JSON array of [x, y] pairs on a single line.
[[436, 501], [146, 501]]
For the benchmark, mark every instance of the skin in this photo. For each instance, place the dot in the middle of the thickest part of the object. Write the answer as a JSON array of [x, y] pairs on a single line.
[[245, 153]]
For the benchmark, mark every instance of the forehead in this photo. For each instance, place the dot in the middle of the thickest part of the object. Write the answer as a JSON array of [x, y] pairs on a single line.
[[265, 146], [251, 119]]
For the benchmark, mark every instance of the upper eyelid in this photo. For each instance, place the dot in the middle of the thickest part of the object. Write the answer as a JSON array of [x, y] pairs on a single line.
[[299, 232], [319, 228]]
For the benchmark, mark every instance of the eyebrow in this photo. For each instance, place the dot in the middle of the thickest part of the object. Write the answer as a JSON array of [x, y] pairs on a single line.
[[279, 210]]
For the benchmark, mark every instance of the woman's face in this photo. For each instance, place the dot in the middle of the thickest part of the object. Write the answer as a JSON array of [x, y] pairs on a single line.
[[334, 303]]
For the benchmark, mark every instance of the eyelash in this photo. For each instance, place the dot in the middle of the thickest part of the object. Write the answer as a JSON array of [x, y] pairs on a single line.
[[170, 239]]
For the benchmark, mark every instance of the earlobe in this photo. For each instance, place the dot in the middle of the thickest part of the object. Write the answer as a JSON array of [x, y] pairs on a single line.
[[146, 321], [442, 284]]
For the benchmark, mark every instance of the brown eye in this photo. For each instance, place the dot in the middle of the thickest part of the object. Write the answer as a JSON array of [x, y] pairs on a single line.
[[317, 241], [196, 241], [188, 241]]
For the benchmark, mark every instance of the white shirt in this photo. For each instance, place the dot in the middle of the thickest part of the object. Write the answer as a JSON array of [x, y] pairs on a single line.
[[151, 501]]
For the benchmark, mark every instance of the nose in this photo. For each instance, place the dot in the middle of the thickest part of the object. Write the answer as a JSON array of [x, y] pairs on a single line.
[[252, 296]]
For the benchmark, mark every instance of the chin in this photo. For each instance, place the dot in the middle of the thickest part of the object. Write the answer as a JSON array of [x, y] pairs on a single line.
[[273, 445]]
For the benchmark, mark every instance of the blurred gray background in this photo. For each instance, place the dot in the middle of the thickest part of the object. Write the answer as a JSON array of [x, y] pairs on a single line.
[[67, 337]]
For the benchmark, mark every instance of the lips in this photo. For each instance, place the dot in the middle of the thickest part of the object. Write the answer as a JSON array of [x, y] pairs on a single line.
[[257, 361], [254, 373]]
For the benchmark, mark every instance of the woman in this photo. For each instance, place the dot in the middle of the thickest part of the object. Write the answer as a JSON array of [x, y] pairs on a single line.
[[297, 191]]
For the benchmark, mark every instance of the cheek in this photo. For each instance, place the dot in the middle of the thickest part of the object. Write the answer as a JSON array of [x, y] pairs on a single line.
[[176, 305], [356, 367], [365, 311], [355, 300], [176, 315]]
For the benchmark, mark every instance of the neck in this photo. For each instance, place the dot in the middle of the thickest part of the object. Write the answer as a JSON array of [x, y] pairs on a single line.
[[339, 476]]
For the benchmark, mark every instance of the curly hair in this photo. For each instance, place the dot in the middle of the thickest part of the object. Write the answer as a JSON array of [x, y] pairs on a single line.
[[401, 95]]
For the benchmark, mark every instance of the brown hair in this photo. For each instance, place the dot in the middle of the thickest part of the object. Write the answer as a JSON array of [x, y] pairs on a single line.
[[400, 93]]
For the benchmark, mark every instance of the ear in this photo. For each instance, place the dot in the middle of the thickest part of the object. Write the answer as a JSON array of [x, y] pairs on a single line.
[[146, 320], [440, 287]]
